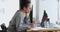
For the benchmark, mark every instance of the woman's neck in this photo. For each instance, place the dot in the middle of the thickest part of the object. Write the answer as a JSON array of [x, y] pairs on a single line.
[[23, 11]]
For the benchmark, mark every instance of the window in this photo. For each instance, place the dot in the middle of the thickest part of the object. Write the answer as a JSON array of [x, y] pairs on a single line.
[[7, 10], [51, 8]]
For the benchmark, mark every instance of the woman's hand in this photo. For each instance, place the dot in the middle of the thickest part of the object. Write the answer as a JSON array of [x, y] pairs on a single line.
[[32, 26]]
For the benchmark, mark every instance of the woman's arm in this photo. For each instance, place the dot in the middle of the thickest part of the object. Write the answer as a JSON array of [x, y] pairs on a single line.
[[18, 20], [20, 25]]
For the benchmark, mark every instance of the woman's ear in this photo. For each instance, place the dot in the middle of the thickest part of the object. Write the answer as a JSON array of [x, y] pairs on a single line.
[[24, 8]]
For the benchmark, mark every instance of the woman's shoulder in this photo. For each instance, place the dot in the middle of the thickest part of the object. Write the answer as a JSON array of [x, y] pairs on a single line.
[[18, 12]]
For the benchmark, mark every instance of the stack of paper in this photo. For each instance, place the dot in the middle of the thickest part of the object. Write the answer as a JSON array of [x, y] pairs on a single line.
[[38, 28]]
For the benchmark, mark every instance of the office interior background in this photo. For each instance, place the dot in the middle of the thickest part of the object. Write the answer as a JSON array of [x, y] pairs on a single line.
[[9, 7]]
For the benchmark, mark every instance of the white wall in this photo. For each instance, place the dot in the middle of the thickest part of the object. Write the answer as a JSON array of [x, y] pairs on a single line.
[[7, 10]]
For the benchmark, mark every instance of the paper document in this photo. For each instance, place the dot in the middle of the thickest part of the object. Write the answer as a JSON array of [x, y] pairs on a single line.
[[38, 28]]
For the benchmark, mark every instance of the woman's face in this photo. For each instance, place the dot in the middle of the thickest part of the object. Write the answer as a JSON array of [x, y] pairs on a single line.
[[28, 8]]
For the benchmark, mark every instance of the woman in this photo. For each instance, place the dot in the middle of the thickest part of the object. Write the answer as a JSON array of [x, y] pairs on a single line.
[[17, 23]]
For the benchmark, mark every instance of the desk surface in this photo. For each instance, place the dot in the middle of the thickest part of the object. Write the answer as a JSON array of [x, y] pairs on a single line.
[[47, 29]]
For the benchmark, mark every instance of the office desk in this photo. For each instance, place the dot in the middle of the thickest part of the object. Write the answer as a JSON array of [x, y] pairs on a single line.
[[46, 30]]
